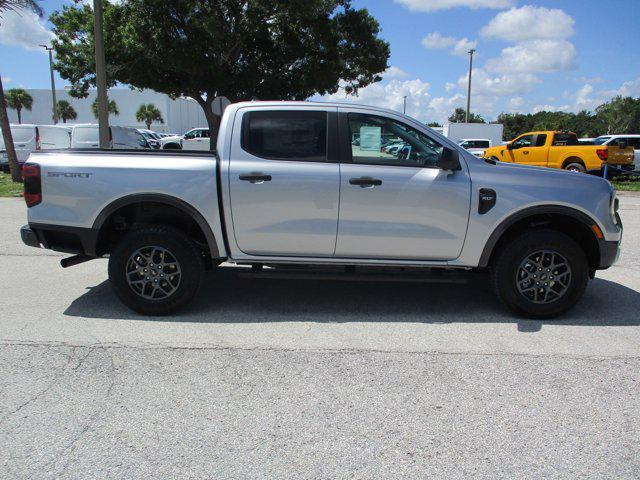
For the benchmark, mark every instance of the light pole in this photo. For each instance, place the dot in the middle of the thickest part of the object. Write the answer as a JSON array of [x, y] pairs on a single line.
[[53, 83], [101, 75], [404, 107], [471, 52]]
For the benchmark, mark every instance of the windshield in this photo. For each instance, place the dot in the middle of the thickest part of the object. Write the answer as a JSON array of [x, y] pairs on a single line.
[[601, 140]]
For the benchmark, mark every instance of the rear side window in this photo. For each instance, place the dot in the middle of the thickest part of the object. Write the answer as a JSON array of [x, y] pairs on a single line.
[[286, 135], [89, 134], [541, 139], [564, 139], [481, 144], [23, 134]]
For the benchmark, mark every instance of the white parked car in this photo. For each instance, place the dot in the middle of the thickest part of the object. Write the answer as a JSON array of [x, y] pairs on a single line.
[[476, 146], [632, 140], [194, 139], [29, 138], [120, 138], [152, 138]]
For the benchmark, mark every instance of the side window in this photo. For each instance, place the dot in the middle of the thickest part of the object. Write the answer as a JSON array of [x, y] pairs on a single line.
[[524, 141], [382, 141], [192, 134], [541, 140], [204, 133], [286, 135], [482, 144]]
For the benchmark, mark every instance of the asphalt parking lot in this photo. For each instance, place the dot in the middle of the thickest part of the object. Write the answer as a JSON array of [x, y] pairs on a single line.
[[307, 379]]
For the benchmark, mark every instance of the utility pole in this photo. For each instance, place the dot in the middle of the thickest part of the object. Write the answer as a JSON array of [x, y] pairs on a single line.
[[53, 83], [101, 75], [404, 108], [471, 52]]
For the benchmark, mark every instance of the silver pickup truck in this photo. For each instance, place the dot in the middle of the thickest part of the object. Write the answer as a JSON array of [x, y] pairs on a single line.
[[323, 188]]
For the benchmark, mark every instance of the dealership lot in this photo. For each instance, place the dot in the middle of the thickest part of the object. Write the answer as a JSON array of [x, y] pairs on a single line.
[[291, 379]]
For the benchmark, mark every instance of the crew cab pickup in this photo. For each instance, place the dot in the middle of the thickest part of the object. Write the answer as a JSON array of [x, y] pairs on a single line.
[[290, 190], [561, 150]]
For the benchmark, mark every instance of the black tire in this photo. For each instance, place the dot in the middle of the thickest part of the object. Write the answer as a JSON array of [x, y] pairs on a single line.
[[508, 262], [575, 167], [165, 241], [172, 146]]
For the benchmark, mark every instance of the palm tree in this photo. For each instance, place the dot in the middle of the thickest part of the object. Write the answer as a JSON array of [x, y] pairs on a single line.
[[65, 111], [112, 107], [148, 113], [19, 98], [15, 5]]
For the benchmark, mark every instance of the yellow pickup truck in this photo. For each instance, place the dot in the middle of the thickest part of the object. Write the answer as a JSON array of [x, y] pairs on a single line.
[[562, 150]]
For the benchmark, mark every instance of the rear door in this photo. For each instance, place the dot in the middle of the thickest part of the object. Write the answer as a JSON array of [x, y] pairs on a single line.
[[284, 181], [52, 137], [397, 205], [85, 136], [24, 141]]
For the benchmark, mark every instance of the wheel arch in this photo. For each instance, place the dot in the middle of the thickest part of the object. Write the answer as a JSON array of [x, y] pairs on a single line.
[[570, 221], [572, 159], [173, 204]]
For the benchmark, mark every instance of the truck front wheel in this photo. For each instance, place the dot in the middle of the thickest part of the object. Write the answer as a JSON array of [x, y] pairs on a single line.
[[540, 274], [156, 270]]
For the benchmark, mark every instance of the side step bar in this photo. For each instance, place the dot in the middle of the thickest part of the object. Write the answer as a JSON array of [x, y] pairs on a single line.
[[75, 260]]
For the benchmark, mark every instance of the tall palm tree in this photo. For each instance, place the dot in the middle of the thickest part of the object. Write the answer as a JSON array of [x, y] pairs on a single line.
[[65, 111], [19, 98], [112, 107], [149, 113], [15, 5]]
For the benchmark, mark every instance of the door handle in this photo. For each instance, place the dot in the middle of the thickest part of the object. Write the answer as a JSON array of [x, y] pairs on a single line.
[[526, 152], [255, 177], [365, 182]]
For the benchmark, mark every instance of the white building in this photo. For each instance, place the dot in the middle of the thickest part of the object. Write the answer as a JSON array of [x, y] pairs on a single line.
[[179, 115]]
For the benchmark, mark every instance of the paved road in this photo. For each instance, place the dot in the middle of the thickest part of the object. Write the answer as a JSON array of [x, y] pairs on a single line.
[[291, 379]]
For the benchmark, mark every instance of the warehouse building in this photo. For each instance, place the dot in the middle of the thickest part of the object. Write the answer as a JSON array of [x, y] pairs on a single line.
[[179, 115]]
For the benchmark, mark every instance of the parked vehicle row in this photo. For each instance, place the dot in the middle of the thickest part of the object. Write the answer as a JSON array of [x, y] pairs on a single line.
[[290, 191], [562, 150], [194, 139]]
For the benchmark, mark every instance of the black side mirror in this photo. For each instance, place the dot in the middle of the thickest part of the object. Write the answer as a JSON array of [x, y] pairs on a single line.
[[449, 160], [510, 146]]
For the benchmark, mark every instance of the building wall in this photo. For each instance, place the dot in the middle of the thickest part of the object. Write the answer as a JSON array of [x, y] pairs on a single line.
[[179, 115]]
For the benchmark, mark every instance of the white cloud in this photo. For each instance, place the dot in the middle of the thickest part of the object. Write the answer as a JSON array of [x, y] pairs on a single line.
[[23, 29], [504, 85], [433, 5], [390, 95], [394, 72], [7, 80], [449, 86], [550, 108], [535, 56], [460, 46], [529, 23], [516, 103]]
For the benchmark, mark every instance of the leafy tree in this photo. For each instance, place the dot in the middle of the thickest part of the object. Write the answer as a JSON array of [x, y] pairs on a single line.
[[112, 107], [149, 113], [19, 98], [460, 115], [620, 115], [241, 49], [65, 111], [433, 124], [15, 5]]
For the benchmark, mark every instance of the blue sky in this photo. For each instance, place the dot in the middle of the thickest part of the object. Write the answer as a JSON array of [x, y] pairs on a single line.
[[531, 55]]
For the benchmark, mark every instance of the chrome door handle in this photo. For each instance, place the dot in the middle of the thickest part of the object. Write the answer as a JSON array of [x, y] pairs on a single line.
[[365, 182], [255, 177], [525, 152]]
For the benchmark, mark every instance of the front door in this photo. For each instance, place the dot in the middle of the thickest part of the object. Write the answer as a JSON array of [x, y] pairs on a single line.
[[395, 203], [284, 188], [196, 139]]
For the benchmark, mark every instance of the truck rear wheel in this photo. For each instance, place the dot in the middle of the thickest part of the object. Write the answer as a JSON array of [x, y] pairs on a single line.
[[540, 274], [156, 270], [575, 167]]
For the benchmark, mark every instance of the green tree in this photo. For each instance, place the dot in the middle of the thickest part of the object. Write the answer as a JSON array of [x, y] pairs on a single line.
[[433, 124], [620, 115], [16, 5], [18, 99], [65, 111], [112, 107], [149, 113], [271, 50], [459, 116]]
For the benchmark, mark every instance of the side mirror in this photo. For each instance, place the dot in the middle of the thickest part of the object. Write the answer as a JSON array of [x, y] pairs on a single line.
[[510, 146], [449, 160]]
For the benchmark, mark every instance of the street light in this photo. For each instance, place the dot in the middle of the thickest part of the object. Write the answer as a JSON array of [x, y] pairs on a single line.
[[53, 83], [471, 52], [404, 108]]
